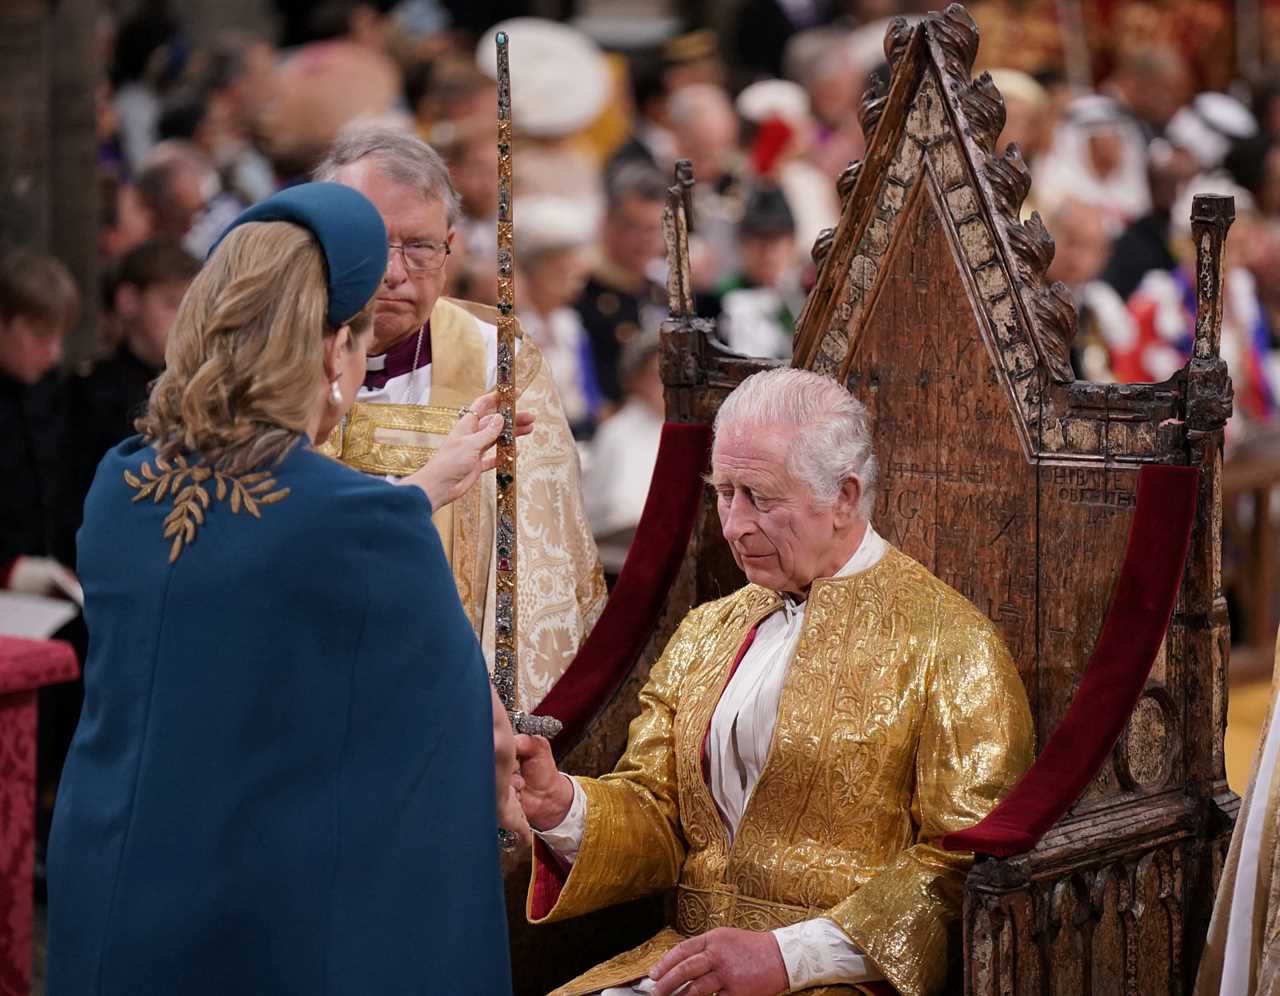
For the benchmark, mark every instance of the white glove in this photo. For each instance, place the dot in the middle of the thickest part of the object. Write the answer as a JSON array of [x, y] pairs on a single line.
[[44, 576]]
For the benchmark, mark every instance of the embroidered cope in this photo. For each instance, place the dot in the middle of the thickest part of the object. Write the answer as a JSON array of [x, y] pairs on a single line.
[[814, 951], [395, 427], [900, 718]]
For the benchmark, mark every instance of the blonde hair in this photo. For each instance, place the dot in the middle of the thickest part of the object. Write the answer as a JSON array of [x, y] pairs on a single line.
[[245, 360]]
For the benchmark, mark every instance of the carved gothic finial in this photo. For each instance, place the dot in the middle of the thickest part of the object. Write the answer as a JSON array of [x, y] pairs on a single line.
[[873, 104], [957, 36], [896, 40], [1032, 246], [1054, 316], [684, 180], [984, 109], [848, 178], [822, 245], [1010, 180], [1210, 394]]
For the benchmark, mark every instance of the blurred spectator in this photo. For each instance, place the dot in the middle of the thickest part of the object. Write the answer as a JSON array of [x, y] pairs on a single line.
[[149, 55], [472, 158], [553, 238], [181, 190], [783, 131], [1026, 105], [1158, 338], [706, 131], [216, 111], [1151, 82], [692, 59], [1198, 141], [650, 141], [450, 93], [123, 219], [762, 29], [833, 65], [621, 458], [1210, 127], [1098, 157], [105, 398], [38, 303], [759, 305], [621, 298], [363, 22], [316, 92]]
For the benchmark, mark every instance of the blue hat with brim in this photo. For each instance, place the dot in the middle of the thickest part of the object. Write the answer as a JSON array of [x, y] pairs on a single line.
[[351, 234]]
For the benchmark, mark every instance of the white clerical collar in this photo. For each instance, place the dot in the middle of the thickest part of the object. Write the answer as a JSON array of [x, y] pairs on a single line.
[[869, 552], [375, 363]]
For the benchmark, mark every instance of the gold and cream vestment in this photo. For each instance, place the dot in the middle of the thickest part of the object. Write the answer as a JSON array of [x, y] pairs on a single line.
[[1242, 952], [394, 431], [901, 718]]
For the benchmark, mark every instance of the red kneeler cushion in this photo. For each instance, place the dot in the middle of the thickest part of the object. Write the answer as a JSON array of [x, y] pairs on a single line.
[[1159, 537]]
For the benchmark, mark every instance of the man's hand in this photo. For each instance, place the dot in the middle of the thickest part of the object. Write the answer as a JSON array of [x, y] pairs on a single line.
[[726, 961], [545, 794]]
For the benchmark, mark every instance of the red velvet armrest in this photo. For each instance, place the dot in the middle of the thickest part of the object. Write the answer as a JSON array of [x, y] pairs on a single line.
[[1141, 606]]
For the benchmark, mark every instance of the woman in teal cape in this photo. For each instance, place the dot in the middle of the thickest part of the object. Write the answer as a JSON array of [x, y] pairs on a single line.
[[283, 778]]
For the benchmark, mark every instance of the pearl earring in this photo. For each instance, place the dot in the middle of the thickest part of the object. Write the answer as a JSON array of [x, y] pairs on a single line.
[[335, 394]]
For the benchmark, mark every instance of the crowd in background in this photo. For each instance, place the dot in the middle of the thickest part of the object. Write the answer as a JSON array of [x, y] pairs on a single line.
[[191, 130]]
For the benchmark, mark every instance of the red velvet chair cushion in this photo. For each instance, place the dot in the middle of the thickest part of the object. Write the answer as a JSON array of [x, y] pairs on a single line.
[[1137, 619], [610, 650]]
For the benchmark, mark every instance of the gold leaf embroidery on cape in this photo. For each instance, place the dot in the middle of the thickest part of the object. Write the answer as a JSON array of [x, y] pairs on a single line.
[[186, 484]]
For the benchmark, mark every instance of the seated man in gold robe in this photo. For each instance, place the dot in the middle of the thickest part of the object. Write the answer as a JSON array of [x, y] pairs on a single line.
[[803, 743], [432, 356]]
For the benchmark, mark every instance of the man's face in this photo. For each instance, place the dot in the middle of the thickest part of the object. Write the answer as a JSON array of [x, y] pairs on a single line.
[[29, 349], [633, 233], [766, 259], [406, 297], [779, 536], [149, 314]]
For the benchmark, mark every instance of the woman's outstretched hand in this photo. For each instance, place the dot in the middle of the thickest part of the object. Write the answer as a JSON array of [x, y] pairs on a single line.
[[466, 453]]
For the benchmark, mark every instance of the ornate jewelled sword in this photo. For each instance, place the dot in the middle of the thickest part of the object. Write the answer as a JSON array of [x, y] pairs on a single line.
[[507, 615]]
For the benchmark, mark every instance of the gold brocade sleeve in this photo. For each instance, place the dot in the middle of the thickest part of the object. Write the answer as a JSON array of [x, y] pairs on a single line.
[[632, 845], [977, 739]]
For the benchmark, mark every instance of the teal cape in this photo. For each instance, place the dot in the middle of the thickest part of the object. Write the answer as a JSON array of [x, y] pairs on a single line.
[[282, 781]]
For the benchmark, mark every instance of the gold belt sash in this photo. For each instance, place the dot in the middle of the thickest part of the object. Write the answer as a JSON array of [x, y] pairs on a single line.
[[699, 910]]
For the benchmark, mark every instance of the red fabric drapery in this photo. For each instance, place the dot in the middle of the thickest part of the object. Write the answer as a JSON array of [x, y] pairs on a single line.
[[25, 666], [1137, 619], [609, 651]]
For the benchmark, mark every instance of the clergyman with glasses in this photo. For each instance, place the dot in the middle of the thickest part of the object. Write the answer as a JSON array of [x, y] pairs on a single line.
[[432, 356]]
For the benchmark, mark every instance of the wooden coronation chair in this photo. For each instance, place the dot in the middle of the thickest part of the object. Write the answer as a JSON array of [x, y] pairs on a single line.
[[1084, 518]]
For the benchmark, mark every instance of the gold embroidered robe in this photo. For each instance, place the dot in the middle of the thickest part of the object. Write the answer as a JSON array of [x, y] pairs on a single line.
[[1261, 802], [902, 718], [561, 585]]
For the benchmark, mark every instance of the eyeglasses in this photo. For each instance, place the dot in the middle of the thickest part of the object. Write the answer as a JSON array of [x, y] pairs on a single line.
[[420, 256]]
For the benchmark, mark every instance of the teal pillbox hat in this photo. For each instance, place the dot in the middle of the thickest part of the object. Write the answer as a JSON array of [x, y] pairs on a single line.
[[349, 229]]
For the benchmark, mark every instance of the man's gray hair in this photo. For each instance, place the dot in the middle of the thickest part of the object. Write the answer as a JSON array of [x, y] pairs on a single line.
[[834, 442], [401, 157]]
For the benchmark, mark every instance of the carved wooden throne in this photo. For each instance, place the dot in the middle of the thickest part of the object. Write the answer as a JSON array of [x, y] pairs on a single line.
[[1043, 499]]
